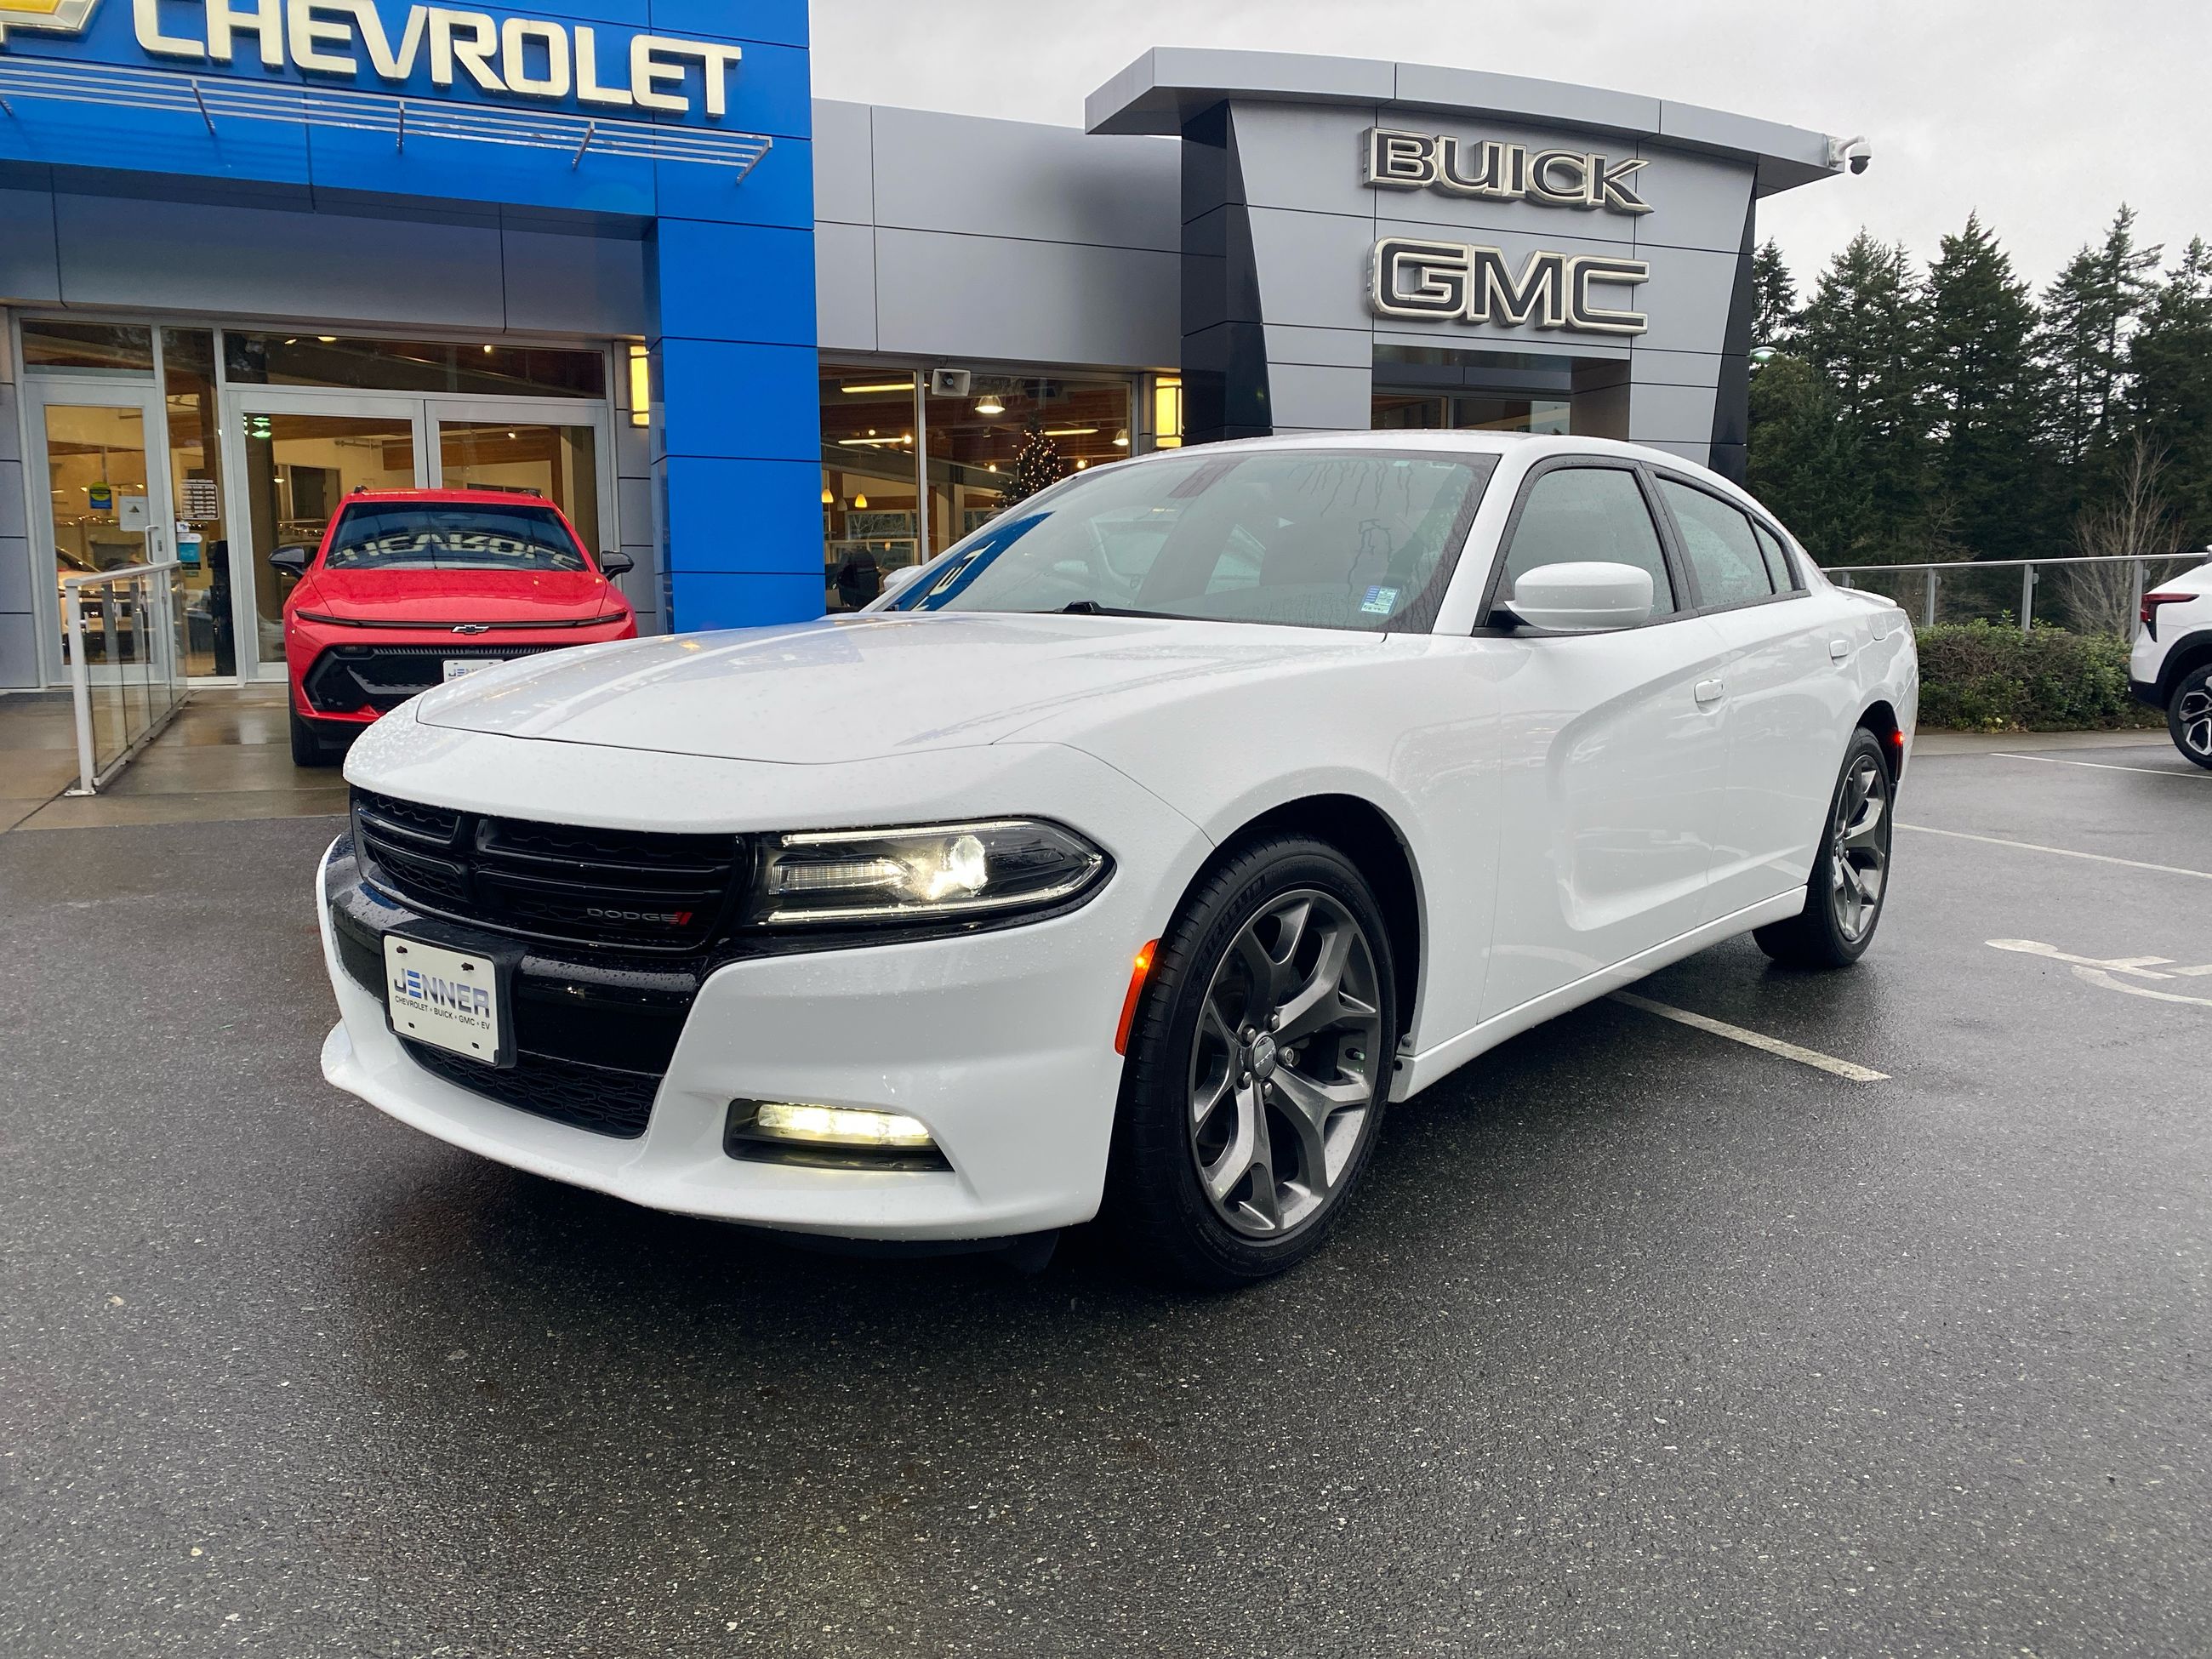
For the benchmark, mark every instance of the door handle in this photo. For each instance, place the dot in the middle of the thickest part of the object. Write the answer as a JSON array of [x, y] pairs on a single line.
[[1838, 650], [1708, 691]]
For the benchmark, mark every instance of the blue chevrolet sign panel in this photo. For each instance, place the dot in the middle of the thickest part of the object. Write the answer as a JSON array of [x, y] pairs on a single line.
[[684, 120]]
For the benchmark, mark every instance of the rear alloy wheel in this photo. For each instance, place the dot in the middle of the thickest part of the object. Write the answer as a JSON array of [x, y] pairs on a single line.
[[1851, 874], [1258, 1067], [2189, 717]]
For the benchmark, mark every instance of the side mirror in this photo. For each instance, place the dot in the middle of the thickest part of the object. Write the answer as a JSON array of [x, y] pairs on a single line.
[[898, 578], [293, 561], [615, 564], [1581, 598]]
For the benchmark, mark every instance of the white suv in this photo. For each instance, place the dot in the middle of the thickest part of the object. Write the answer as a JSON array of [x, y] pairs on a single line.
[[2171, 667]]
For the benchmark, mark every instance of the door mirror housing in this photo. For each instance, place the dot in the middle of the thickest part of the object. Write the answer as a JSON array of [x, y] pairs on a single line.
[[1580, 598], [897, 579], [292, 560], [612, 563]]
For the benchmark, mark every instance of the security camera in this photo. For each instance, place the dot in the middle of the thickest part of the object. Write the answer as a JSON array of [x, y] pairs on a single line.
[[1852, 153]]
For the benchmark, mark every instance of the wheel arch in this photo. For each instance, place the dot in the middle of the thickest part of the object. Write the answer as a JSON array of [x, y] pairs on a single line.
[[2191, 651], [1879, 718], [1368, 835]]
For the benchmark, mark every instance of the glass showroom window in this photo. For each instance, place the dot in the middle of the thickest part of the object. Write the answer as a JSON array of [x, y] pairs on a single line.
[[871, 507], [196, 488], [1011, 434]]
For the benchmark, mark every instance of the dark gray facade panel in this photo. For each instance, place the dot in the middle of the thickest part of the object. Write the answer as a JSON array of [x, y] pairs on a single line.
[[234, 261], [16, 591], [568, 284], [30, 271], [19, 651]]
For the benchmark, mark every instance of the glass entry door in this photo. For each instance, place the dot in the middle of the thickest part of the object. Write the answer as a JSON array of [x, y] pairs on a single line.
[[491, 446], [104, 482], [302, 457]]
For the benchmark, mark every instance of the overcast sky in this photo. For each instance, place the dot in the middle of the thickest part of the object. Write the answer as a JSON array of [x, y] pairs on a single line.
[[2044, 116]]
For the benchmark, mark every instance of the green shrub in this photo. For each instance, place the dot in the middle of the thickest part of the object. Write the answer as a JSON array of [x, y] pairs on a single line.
[[1989, 676]]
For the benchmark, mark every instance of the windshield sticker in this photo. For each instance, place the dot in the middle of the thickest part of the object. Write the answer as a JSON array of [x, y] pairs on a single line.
[[1379, 602]]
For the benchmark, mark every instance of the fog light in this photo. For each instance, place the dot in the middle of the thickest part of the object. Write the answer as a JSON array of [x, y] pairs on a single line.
[[838, 1125]]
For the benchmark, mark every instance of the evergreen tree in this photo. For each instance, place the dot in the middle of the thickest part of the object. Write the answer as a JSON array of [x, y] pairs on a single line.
[[1774, 318], [1860, 330], [1805, 460], [1980, 385], [2169, 363], [2081, 340]]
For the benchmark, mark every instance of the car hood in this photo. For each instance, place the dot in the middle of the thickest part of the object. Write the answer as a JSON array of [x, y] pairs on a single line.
[[829, 692], [425, 599]]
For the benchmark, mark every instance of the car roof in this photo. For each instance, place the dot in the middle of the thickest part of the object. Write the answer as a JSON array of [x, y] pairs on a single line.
[[479, 497], [1527, 448]]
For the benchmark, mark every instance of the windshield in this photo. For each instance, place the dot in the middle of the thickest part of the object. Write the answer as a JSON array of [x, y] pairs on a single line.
[[1311, 539], [452, 536]]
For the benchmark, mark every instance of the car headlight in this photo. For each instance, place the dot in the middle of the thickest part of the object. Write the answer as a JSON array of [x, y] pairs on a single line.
[[943, 871]]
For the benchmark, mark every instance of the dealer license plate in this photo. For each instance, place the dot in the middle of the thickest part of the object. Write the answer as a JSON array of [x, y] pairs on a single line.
[[448, 999], [457, 666]]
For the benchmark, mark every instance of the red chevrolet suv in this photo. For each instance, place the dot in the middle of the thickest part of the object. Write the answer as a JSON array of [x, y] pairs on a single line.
[[412, 587]]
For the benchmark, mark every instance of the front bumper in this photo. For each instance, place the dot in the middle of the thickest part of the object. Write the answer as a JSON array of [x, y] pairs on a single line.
[[1001, 1042]]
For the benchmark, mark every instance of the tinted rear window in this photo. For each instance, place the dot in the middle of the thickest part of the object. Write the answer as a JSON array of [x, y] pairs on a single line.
[[452, 536]]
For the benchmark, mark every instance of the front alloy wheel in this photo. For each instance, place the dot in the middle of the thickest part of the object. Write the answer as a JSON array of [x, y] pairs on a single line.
[[1283, 1063], [1259, 1063], [2189, 719]]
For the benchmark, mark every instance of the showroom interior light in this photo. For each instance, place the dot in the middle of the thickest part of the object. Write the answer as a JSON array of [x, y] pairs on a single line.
[[988, 404], [864, 387]]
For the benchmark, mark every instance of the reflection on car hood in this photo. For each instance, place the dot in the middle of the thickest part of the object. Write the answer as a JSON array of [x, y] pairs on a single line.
[[402, 597], [825, 692]]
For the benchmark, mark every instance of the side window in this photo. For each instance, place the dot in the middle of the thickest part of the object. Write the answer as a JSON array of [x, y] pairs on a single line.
[[1574, 514], [1777, 557], [1724, 557]]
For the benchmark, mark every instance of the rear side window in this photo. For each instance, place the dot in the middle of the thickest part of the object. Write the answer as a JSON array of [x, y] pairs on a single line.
[[1576, 514], [452, 536], [1778, 560], [1725, 561]]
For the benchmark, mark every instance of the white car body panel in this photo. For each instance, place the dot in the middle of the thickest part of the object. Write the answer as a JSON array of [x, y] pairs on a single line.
[[1577, 810]]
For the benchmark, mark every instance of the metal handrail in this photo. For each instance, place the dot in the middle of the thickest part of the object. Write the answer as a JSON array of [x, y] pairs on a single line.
[[2028, 578], [90, 774]]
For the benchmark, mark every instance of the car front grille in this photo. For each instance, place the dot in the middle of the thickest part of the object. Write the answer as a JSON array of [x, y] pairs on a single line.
[[625, 889], [348, 678], [604, 1099]]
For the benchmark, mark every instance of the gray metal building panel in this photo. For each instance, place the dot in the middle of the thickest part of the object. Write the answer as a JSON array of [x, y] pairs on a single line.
[[845, 286], [962, 175], [1672, 414], [844, 162], [1000, 297]]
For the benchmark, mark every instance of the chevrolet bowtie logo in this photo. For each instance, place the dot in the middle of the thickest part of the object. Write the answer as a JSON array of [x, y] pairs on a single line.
[[49, 16]]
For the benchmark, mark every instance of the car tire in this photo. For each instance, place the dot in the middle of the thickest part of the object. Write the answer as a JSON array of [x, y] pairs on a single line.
[[2189, 715], [1844, 894], [1238, 1142], [308, 748]]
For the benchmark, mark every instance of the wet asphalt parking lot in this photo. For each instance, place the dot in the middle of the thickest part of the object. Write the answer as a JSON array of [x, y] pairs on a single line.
[[1640, 1341]]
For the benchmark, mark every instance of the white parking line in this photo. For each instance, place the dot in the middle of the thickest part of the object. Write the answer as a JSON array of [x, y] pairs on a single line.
[[2194, 774], [2062, 852], [1812, 1057]]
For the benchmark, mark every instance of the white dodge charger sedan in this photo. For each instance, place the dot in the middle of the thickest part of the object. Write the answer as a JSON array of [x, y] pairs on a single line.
[[1131, 858]]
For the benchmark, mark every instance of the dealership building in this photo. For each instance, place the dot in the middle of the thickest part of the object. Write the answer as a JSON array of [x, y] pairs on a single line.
[[256, 254]]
